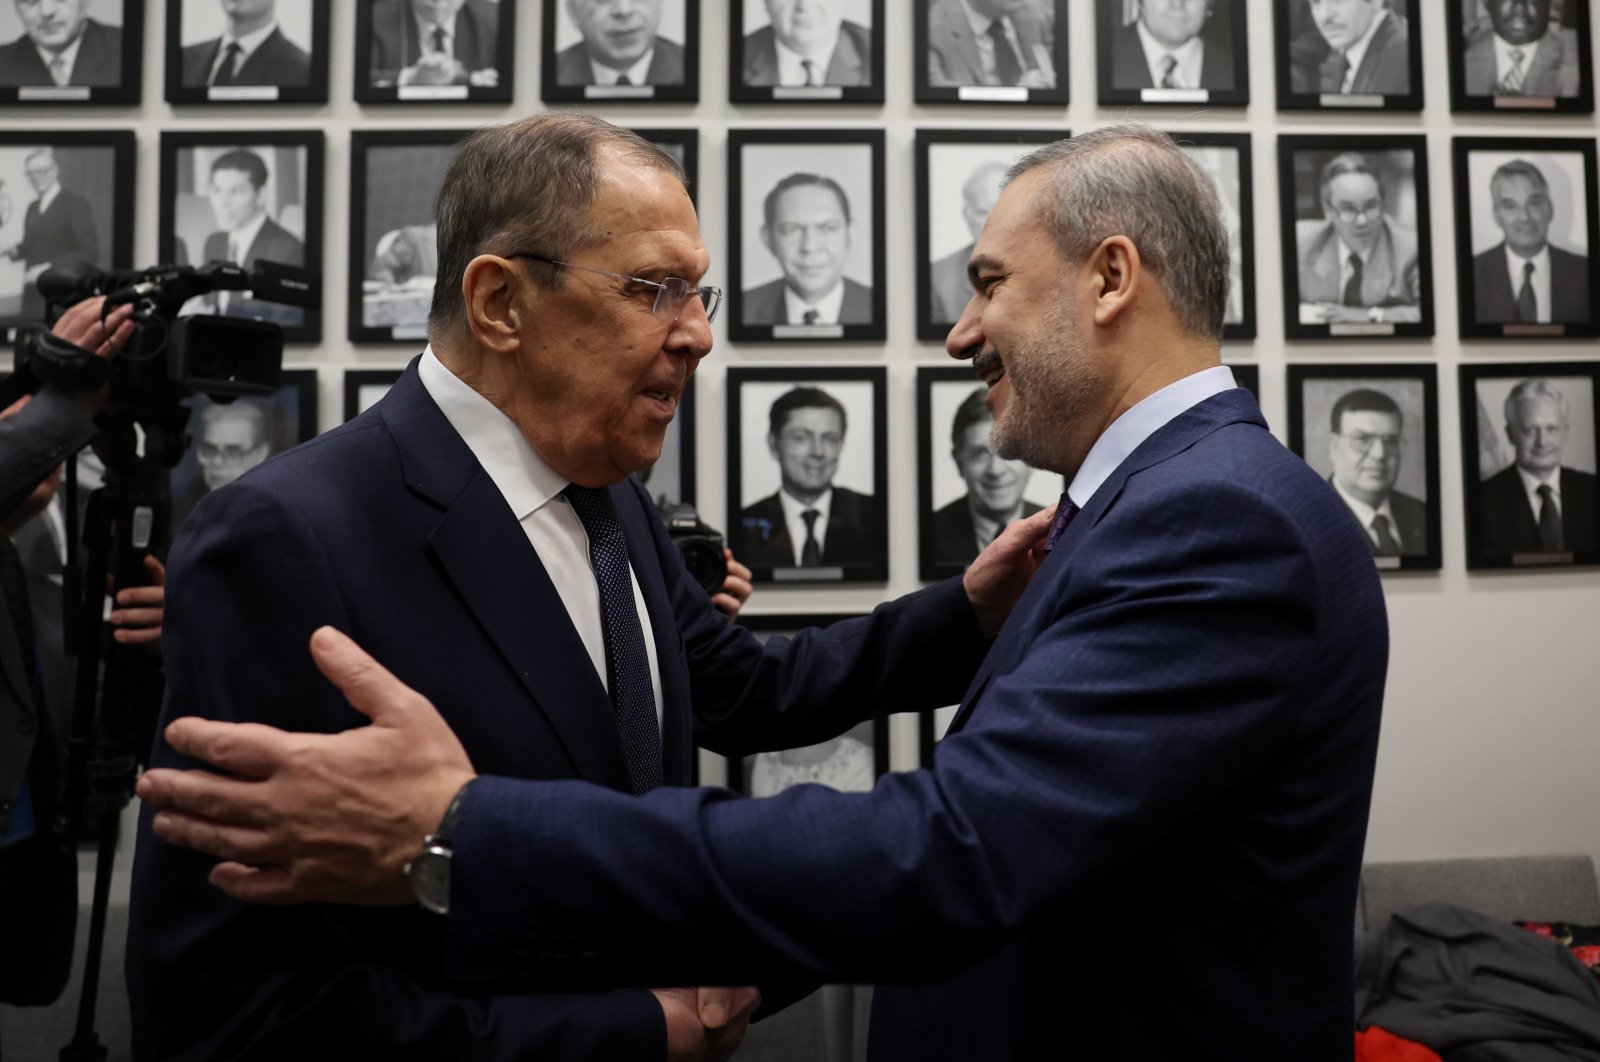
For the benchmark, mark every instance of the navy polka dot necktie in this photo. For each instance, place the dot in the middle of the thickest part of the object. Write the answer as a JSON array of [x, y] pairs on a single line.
[[627, 666]]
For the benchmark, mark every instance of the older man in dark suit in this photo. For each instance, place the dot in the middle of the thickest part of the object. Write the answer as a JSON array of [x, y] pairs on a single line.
[[1365, 431], [251, 51], [61, 45], [1537, 504], [806, 225], [991, 42], [1355, 48], [1179, 44], [1358, 263], [1525, 277], [620, 46], [434, 42], [808, 42], [57, 230]]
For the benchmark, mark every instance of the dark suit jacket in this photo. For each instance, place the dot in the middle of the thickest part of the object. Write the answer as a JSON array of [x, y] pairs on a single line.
[[762, 537], [1552, 71], [1509, 524], [273, 243], [395, 44], [666, 65], [1384, 70], [278, 61], [954, 540], [953, 58], [388, 528], [99, 61], [1410, 522], [1130, 70], [1391, 277], [63, 235], [765, 306], [1168, 751], [1494, 300], [850, 64]]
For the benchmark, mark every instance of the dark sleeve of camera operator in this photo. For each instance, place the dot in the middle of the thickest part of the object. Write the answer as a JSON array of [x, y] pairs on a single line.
[[37, 438]]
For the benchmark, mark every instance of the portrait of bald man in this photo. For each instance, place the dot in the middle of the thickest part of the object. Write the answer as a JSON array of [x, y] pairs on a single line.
[[1526, 277], [1521, 48], [1540, 502], [619, 43], [60, 45]]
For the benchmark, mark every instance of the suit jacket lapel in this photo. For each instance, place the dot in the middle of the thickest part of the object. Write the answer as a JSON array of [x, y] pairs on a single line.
[[484, 553]]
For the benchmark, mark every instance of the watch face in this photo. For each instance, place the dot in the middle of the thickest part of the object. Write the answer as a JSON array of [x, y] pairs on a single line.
[[429, 874]]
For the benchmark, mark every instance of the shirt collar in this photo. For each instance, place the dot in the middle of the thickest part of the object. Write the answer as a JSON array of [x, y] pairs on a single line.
[[638, 73], [1186, 53], [793, 507], [1141, 422], [980, 23], [252, 40], [1531, 483], [1358, 51], [788, 59], [1364, 512], [1541, 263], [425, 28], [827, 307], [1503, 49], [49, 197], [68, 55], [245, 235]]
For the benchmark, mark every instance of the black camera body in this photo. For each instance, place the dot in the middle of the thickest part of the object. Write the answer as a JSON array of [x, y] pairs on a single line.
[[700, 544]]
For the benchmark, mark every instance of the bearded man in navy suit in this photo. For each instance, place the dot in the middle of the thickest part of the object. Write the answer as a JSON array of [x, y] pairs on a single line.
[[1180, 715]]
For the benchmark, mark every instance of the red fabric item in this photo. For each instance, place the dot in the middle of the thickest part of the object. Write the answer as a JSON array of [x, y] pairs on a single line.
[[1378, 1045]]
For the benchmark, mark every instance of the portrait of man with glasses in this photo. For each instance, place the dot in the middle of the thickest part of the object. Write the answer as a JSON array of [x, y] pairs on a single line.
[[1357, 261]]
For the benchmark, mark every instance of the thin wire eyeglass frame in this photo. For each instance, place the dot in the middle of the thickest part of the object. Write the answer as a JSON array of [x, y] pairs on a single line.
[[671, 292]]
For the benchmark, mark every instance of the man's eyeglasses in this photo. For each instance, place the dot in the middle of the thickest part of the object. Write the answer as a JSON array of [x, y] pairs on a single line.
[[671, 292], [1363, 441], [1347, 213]]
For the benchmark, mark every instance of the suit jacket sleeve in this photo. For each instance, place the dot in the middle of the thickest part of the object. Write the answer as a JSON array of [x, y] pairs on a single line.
[[1054, 786], [37, 438], [211, 978]]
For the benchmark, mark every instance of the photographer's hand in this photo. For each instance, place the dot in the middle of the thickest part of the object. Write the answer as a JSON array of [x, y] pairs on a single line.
[[81, 325], [137, 619]]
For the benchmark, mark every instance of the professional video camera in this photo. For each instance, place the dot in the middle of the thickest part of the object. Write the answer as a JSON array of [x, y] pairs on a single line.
[[700, 544]]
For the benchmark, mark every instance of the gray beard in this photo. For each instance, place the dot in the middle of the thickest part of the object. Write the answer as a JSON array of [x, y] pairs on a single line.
[[1053, 391]]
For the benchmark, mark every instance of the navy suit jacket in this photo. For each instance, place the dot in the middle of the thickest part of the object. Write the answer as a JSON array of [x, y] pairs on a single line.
[[99, 61], [851, 537], [666, 65], [277, 61], [1493, 300], [1129, 68], [1509, 525], [1142, 837], [388, 528]]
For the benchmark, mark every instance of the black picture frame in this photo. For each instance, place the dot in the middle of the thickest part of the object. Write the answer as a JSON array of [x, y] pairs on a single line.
[[959, 172], [855, 544], [95, 172], [948, 67], [1218, 75], [363, 387], [1503, 528], [1392, 301], [672, 74], [188, 232], [1558, 76], [276, 423], [869, 737], [1247, 376], [684, 146], [756, 72], [289, 66], [1410, 501], [671, 480], [1485, 308], [394, 179], [1227, 160], [932, 726], [1380, 82], [828, 156], [951, 472], [385, 41], [110, 55]]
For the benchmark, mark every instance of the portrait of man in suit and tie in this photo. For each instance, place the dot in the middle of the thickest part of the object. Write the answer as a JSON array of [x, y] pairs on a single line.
[[434, 43], [61, 45], [229, 439], [992, 43], [1522, 207], [1172, 45], [1357, 253], [620, 43], [793, 44], [1538, 493], [994, 486], [1521, 48], [1369, 442], [58, 230], [230, 43], [1349, 48], [808, 227]]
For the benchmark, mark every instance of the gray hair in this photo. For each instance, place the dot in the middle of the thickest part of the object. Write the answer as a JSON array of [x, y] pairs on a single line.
[[1520, 168], [1134, 181], [1533, 390], [526, 186]]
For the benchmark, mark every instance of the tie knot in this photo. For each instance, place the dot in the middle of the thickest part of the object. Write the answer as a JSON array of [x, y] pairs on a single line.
[[1065, 511], [810, 317], [593, 506], [1546, 491], [1527, 269], [810, 517]]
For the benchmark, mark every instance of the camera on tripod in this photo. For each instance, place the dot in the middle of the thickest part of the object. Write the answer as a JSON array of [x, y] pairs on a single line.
[[700, 544]]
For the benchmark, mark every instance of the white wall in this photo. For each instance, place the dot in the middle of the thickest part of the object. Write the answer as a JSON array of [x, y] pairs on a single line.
[[1492, 730]]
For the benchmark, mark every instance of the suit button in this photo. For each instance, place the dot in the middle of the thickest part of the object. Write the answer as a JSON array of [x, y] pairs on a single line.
[[25, 725]]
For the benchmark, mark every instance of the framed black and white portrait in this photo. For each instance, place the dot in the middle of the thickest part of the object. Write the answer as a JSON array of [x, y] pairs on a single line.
[[247, 199], [805, 225], [71, 51], [1525, 228], [66, 201], [1372, 431], [1355, 226], [806, 51], [850, 763], [394, 178], [966, 493], [1225, 157], [247, 51], [364, 387], [1529, 446], [808, 473], [1173, 51], [1526, 55], [634, 50], [990, 51], [684, 147], [458, 51], [1363, 54], [229, 439], [671, 480], [959, 174]]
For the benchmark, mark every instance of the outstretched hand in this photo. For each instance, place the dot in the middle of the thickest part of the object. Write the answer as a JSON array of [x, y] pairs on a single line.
[[705, 1024], [997, 578], [330, 818]]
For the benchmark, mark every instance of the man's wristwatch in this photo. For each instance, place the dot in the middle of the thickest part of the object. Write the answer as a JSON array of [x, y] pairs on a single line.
[[429, 872]]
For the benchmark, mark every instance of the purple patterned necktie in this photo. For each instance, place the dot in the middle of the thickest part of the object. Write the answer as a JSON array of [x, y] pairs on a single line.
[[627, 666], [1064, 515]]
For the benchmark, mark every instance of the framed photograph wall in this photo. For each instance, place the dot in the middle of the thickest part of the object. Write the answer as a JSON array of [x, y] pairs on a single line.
[[89, 51], [468, 57], [1524, 55], [954, 64], [247, 53], [1348, 55], [596, 51], [808, 473], [1372, 431], [812, 53], [1184, 53], [66, 201], [806, 234], [1529, 448], [1226, 159]]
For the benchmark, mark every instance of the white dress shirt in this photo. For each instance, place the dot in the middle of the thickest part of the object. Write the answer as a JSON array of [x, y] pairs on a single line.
[[791, 64], [533, 489], [985, 44], [827, 307], [247, 47], [66, 57], [1366, 514], [1190, 54], [795, 521], [1531, 485], [638, 73], [1540, 279], [1502, 57]]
